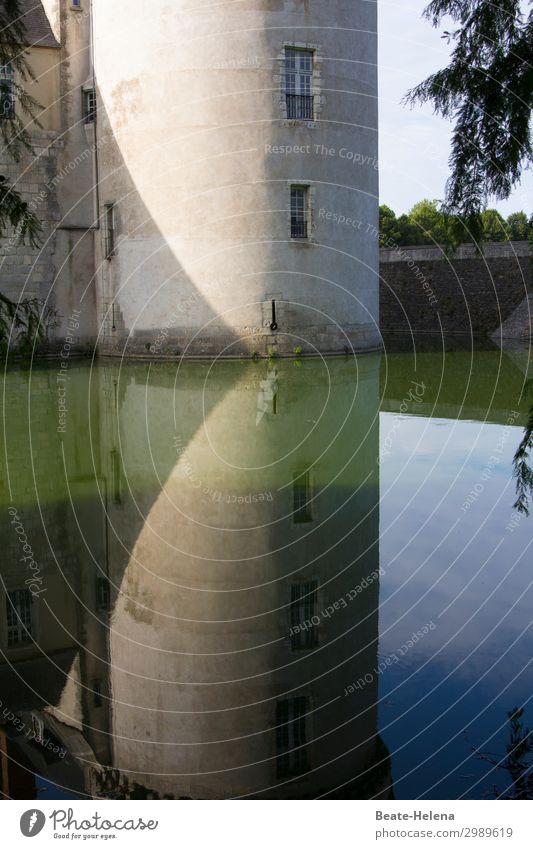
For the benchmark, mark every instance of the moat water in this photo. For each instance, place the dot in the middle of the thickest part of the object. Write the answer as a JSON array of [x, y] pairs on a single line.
[[285, 578]]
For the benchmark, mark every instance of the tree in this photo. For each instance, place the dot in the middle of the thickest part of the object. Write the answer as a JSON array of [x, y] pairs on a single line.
[[430, 222], [408, 234], [487, 90], [388, 226], [517, 226], [493, 226], [14, 211], [28, 320]]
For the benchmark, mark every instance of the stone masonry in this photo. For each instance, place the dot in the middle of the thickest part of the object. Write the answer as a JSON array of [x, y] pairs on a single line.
[[422, 290]]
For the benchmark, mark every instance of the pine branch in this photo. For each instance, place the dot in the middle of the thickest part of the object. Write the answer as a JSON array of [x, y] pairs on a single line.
[[487, 90]]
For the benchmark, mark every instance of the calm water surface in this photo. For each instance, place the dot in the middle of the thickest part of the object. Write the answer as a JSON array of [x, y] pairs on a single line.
[[263, 579]]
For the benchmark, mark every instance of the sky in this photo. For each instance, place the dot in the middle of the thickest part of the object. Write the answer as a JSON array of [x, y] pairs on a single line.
[[414, 143]]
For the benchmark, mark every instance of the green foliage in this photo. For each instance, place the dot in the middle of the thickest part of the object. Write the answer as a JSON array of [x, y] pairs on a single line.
[[428, 224], [14, 133], [522, 471], [25, 325], [493, 226], [487, 91], [14, 136], [15, 213], [518, 228], [517, 762]]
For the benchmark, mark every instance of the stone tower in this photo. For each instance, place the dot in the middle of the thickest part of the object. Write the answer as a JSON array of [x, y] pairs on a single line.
[[238, 182]]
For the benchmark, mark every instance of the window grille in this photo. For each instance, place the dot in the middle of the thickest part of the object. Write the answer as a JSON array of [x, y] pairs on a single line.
[[109, 224], [19, 617], [301, 496], [299, 212], [304, 606], [299, 84], [103, 593], [89, 106], [291, 736]]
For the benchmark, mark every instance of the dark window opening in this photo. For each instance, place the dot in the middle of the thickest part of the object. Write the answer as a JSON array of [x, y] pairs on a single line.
[[304, 606], [109, 230], [97, 693], [291, 736], [116, 476], [19, 617], [301, 496], [103, 593], [299, 212], [89, 106]]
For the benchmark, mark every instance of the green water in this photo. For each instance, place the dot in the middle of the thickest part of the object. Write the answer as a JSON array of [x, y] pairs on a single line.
[[283, 578]]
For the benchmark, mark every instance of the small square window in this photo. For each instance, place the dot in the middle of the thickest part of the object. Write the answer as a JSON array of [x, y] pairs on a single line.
[[19, 618], [76, 4], [89, 105], [299, 212]]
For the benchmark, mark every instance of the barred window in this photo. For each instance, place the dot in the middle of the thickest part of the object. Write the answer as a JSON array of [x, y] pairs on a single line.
[[304, 606], [109, 230], [299, 83], [291, 736], [103, 593], [299, 212], [19, 617], [301, 497], [7, 92], [89, 105]]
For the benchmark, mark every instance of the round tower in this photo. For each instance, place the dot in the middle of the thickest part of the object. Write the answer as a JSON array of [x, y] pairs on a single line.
[[245, 567], [238, 176]]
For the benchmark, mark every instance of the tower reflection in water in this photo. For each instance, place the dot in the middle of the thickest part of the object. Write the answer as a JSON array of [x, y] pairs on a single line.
[[205, 582]]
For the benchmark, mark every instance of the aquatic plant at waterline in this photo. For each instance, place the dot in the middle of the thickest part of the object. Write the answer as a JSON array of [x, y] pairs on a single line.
[[25, 324], [517, 761], [522, 470]]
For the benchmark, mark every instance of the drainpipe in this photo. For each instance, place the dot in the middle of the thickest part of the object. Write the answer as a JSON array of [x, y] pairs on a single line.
[[93, 79]]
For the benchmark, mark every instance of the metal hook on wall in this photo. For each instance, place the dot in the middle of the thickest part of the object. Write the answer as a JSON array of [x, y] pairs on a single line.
[[273, 324]]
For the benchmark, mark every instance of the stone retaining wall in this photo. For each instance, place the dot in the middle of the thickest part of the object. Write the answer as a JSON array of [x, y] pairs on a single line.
[[423, 290]]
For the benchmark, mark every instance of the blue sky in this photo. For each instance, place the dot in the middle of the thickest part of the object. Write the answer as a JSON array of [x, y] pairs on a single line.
[[414, 145]]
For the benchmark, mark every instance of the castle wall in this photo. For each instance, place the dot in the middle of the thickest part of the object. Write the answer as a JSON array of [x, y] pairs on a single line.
[[424, 291]]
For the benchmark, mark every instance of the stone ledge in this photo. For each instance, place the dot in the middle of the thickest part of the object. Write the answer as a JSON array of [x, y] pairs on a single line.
[[425, 253]]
